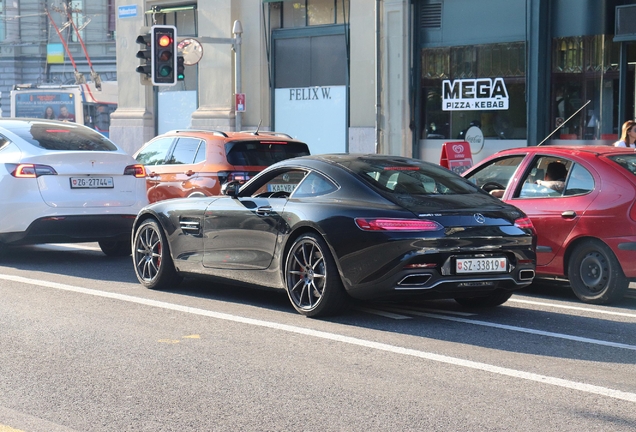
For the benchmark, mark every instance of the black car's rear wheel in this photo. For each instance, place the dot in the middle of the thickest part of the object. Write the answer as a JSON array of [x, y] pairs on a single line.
[[492, 300], [595, 274], [312, 280], [151, 257], [115, 248]]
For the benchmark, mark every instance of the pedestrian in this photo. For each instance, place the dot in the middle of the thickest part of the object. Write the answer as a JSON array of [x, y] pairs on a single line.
[[628, 137]]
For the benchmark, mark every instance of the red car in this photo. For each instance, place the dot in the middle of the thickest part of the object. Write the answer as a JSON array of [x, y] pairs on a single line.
[[585, 220]]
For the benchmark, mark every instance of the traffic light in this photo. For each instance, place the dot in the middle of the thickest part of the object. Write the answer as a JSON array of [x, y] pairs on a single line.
[[180, 68], [164, 54], [145, 55]]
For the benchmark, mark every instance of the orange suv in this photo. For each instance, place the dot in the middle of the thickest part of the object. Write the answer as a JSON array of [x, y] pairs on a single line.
[[190, 163]]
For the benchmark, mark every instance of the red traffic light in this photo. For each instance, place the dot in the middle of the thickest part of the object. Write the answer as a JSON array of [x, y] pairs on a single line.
[[164, 40]]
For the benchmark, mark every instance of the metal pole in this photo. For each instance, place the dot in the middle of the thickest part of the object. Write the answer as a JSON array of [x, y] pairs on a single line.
[[237, 30]]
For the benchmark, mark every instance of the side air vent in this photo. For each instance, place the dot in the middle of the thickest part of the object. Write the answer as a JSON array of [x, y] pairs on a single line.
[[190, 226], [431, 16]]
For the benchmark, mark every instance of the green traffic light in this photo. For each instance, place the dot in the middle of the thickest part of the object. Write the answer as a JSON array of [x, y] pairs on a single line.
[[165, 70]]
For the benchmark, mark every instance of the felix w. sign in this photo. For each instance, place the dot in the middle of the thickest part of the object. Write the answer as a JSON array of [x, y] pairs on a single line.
[[474, 94]]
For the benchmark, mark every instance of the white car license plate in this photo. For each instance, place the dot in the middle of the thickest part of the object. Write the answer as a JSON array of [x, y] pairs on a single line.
[[91, 182], [481, 265], [281, 187]]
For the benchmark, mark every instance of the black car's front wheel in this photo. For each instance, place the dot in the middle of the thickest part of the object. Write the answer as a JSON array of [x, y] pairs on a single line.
[[595, 274], [312, 280], [151, 257]]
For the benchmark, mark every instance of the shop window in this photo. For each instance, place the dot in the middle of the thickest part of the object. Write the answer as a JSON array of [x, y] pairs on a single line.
[[478, 75], [301, 13], [76, 8], [585, 68], [2, 19]]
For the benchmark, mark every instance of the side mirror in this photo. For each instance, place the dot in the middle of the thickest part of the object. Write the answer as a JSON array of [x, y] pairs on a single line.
[[230, 188]]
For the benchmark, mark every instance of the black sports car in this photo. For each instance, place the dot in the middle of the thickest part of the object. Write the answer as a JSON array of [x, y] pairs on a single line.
[[327, 227]]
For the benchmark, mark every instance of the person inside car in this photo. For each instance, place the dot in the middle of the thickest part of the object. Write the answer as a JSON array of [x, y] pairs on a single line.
[[554, 176]]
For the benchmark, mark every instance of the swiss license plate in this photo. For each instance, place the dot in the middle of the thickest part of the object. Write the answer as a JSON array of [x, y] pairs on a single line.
[[91, 182], [281, 187], [481, 265]]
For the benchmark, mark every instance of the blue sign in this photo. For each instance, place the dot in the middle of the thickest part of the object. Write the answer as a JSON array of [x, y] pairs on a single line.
[[128, 11]]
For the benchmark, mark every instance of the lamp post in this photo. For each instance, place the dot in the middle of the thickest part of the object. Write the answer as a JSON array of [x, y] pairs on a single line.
[[237, 29]]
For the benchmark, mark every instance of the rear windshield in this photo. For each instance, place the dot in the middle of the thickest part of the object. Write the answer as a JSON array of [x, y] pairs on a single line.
[[401, 177], [627, 161], [53, 136], [263, 153]]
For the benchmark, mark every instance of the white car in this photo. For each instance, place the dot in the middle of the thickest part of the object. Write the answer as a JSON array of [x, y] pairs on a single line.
[[61, 182]]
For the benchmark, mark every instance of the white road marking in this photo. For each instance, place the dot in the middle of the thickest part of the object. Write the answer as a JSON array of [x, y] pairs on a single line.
[[518, 329], [574, 308], [409, 308], [573, 385], [382, 313]]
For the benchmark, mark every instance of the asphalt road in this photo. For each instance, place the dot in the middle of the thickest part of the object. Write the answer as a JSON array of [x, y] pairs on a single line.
[[84, 347]]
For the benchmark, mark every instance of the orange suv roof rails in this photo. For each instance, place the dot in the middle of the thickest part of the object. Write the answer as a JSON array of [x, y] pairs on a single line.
[[269, 133], [217, 132]]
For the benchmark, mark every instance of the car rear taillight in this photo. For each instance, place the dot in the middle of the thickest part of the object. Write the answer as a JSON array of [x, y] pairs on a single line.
[[135, 170], [525, 223], [30, 170], [397, 225]]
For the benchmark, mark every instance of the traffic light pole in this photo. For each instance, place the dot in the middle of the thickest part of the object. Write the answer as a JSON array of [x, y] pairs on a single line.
[[237, 30]]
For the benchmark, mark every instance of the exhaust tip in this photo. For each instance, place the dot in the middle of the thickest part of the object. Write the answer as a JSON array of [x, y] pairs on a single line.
[[526, 274], [415, 280]]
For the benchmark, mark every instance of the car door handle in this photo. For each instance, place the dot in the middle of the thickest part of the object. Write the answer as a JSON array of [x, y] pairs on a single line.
[[189, 173], [264, 210], [153, 174], [568, 214]]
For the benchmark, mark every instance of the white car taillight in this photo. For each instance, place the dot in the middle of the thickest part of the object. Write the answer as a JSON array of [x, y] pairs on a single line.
[[135, 170], [30, 170]]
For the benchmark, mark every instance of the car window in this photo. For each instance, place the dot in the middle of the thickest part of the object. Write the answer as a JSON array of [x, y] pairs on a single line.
[[499, 171], [278, 184], [314, 184], [579, 182], [156, 152], [4, 142], [200, 156], [627, 161], [61, 137], [412, 179], [184, 151], [263, 153], [547, 177]]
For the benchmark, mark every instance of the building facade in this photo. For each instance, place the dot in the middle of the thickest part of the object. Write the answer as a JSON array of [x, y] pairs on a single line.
[[388, 76], [523, 71], [32, 51]]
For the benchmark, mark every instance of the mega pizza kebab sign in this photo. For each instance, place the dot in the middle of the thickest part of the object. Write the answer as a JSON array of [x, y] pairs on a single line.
[[474, 94]]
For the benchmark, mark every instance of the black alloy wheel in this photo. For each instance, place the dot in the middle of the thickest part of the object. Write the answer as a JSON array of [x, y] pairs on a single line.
[[115, 248], [312, 280], [151, 257], [595, 274]]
